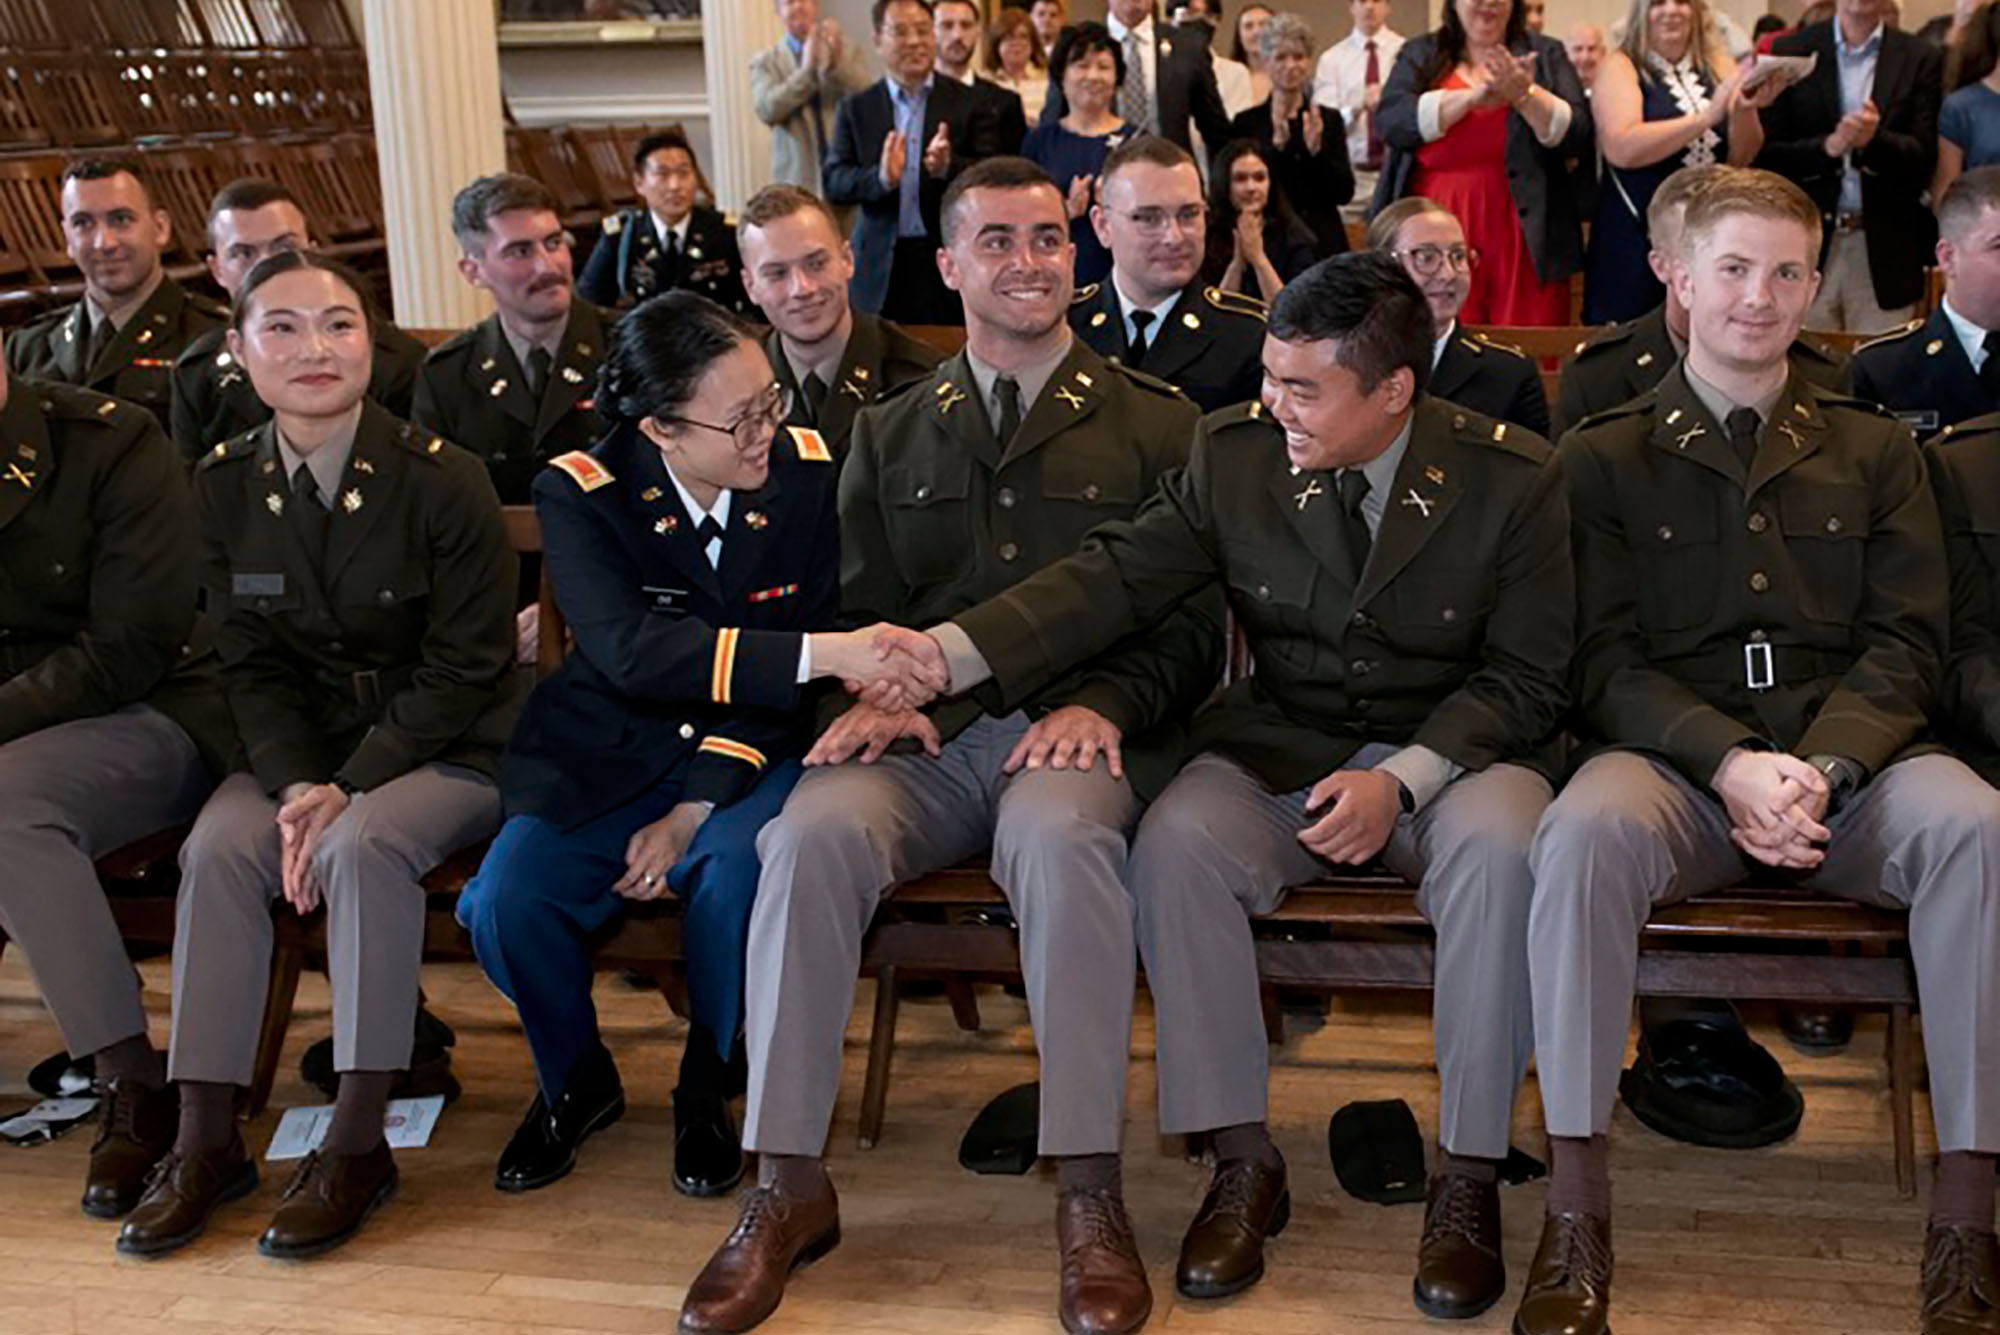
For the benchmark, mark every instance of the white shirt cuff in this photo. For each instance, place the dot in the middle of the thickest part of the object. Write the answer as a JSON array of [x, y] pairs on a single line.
[[805, 660], [1428, 127], [1421, 770], [1558, 122], [968, 666]]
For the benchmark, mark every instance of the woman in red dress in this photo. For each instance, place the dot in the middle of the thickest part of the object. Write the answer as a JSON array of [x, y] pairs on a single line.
[[1488, 120]]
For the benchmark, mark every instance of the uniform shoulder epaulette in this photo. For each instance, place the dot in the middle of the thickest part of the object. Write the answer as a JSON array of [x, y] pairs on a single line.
[[1634, 408], [583, 469], [1833, 398], [453, 346], [810, 445], [1894, 335], [1479, 429], [421, 441], [614, 224], [1235, 303], [1970, 429], [209, 345], [240, 446], [1486, 340], [1814, 352], [1088, 292], [1238, 415], [1145, 381], [75, 403], [208, 305], [1605, 338], [46, 320]]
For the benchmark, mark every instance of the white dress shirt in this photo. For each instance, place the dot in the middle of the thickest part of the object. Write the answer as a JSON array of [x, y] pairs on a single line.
[[1149, 56], [1970, 336], [1341, 81]]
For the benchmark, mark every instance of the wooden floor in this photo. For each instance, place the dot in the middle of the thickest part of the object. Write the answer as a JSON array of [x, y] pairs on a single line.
[[1806, 1237]]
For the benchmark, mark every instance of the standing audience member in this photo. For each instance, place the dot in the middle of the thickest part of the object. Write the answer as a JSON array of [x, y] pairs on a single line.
[[1304, 141], [1585, 47], [1535, 13], [363, 588], [1969, 121], [896, 145], [1049, 18], [1249, 22], [1485, 118], [1938, 372], [1350, 79], [796, 86], [957, 28], [1169, 86], [1153, 313], [1232, 76], [672, 240], [122, 336], [1467, 368], [1015, 61], [1860, 134], [1256, 243], [1669, 97], [1090, 68]]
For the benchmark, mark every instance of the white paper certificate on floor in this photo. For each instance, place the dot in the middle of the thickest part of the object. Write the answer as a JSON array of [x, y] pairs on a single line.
[[407, 1126]]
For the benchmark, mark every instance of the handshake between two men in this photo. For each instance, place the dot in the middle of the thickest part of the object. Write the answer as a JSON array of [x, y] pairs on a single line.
[[893, 672]]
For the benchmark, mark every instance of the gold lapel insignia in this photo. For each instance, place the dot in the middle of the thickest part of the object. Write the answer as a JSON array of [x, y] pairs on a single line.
[[1084, 380], [583, 349], [849, 387], [108, 407], [145, 337], [950, 396], [650, 494], [363, 466], [1499, 431], [230, 377], [350, 500], [1257, 411], [27, 452], [756, 519], [1674, 416], [666, 524], [694, 252], [1800, 409], [1791, 433], [1422, 503], [268, 467], [488, 364], [861, 374], [437, 443], [1690, 434], [1294, 469], [572, 375], [223, 358], [274, 502], [1313, 489], [1097, 320], [498, 388], [15, 473], [1075, 401], [1190, 319], [69, 334], [1934, 347], [1645, 359], [1434, 475]]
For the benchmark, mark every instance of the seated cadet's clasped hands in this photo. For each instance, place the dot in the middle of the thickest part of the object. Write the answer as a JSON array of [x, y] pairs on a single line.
[[1775, 801]]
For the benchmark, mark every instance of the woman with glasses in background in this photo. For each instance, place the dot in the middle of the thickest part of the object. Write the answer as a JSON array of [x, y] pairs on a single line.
[[694, 552], [1467, 368]]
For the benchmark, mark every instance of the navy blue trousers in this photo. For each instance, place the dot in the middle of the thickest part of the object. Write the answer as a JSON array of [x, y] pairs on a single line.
[[542, 892]]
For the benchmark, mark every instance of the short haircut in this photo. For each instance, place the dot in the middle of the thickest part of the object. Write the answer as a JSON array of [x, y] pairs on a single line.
[[1384, 226], [249, 193], [657, 140], [1371, 310], [880, 10], [659, 352], [1284, 30], [294, 261], [782, 201], [972, 5], [1967, 200], [1751, 191], [474, 208], [103, 169], [1146, 148], [1665, 213], [1002, 173], [1080, 40]]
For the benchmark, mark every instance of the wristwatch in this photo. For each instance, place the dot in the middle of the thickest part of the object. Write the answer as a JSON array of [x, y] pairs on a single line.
[[347, 788], [1843, 777]]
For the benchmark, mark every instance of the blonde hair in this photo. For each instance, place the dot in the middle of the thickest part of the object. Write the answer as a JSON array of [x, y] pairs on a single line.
[[1751, 191], [1707, 46]]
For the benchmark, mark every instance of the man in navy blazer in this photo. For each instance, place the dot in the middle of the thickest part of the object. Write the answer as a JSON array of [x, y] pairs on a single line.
[[896, 145]]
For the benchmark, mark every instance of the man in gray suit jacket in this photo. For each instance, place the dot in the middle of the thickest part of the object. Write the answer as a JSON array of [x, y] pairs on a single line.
[[796, 85]]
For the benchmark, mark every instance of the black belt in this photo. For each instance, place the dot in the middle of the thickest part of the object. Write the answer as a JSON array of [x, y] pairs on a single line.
[[1760, 665], [373, 687]]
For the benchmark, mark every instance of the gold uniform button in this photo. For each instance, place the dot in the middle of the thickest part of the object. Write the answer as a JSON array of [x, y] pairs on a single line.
[[1758, 522], [1091, 492], [923, 493], [1006, 498], [385, 596], [1361, 667], [1264, 592], [1759, 582], [1666, 532], [1449, 615], [1009, 551], [687, 731], [1833, 524], [1361, 619]]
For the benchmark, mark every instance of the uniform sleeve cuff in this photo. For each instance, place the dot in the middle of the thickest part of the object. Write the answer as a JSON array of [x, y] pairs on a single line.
[[1421, 770], [968, 666]]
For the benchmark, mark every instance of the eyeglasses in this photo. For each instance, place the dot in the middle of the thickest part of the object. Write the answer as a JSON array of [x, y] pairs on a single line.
[[1154, 221], [770, 408], [1427, 260]]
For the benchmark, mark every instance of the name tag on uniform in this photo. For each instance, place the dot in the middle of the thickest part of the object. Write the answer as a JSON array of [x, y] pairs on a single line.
[[256, 586], [665, 599], [1919, 419]]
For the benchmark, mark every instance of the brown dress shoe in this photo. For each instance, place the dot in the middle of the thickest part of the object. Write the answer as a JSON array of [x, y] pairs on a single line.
[[1223, 1252], [775, 1234], [135, 1129], [1961, 1282], [182, 1193], [328, 1200], [1103, 1289], [1569, 1285], [1459, 1269]]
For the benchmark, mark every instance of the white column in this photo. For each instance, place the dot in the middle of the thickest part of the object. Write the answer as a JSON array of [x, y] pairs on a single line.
[[732, 31], [434, 79]]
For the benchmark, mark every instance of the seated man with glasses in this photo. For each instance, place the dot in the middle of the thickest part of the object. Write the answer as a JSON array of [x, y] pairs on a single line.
[[694, 550], [1467, 368], [1152, 313]]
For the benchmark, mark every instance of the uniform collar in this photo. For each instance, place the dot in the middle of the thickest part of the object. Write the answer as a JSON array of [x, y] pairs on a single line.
[[1720, 405], [1381, 470], [328, 463], [121, 315], [1125, 304], [719, 512], [1970, 336], [522, 347], [678, 231], [1032, 379], [1438, 346]]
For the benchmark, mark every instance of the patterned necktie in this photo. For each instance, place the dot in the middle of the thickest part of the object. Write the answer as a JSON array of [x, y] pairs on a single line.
[[1135, 98], [1008, 391], [1135, 352], [1371, 78], [1742, 426], [1353, 485]]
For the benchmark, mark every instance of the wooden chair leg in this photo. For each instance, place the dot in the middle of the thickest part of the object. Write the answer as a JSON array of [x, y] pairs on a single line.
[[287, 962], [964, 1004], [1274, 1015], [673, 981], [1902, 1097], [881, 1049]]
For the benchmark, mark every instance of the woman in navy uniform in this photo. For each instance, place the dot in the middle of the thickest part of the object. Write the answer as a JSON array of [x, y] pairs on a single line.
[[692, 550]]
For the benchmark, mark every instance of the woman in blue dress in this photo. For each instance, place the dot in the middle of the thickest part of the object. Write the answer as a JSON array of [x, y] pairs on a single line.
[[1668, 97], [1089, 67]]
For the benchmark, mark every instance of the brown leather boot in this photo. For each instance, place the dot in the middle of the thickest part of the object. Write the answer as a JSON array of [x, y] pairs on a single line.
[[135, 1129], [1569, 1285], [182, 1193], [1223, 1252], [1103, 1289], [328, 1200], [775, 1234], [1459, 1269], [1961, 1282]]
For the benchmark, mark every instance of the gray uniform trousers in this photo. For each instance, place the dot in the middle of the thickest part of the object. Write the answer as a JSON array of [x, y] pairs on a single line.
[[68, 795], [850, 832], [370, 862], [1216, 847], [1630, 832]]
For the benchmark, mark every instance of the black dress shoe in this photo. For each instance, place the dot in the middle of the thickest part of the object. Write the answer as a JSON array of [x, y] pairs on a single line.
[[1705, 1081], [708, 1157], [135, 1129], [429, 1070], [544, 1146], [1820, 1033]]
